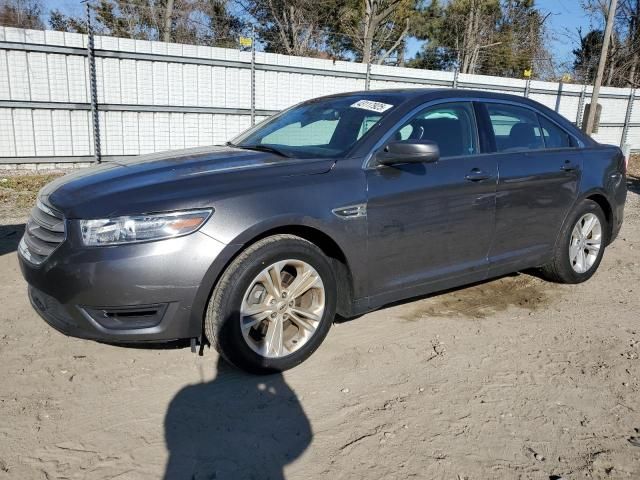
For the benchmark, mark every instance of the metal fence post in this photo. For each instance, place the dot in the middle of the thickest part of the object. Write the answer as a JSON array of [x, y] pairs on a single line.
[[559, 96], [93, 88], [627, 118], [253, 75], [527, 88], [580, 111], [456, 74], [367, 79]]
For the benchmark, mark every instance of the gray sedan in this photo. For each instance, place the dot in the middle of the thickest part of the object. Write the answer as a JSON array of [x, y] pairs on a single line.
[[338, 205]]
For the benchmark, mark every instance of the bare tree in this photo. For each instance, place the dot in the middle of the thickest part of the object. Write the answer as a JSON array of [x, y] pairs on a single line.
[[623, 58], [168, 14], [292, 27], [473, 24], [201, 22], [297, 25], [21, 13], [629, 17], [459, 33], [376, 13], [375, 29]]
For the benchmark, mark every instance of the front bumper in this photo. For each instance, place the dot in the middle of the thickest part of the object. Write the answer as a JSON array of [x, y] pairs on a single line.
[[166, 282]]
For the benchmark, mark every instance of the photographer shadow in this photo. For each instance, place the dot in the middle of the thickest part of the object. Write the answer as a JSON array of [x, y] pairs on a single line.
[[237, 426]]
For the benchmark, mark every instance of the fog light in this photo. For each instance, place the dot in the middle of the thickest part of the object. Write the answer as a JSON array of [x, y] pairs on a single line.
[[127, 318]]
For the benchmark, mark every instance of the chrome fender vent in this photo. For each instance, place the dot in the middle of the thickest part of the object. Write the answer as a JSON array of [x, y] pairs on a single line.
[[351, 211]]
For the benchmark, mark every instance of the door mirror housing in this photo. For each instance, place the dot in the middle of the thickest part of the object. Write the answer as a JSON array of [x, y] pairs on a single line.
[[409, 151]]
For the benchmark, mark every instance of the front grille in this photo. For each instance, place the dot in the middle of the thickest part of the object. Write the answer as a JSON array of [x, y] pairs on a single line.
[[44, 232]]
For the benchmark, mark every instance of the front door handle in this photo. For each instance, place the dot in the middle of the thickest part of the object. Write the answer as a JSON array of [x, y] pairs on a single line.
[[476, 175], [568, 166]]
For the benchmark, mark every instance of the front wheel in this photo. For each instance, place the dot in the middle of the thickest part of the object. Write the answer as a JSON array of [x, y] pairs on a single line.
[[581, 245], [273, 305]]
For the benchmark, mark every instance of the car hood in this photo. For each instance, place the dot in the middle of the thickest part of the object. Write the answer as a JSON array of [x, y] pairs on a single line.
[[174, 180]]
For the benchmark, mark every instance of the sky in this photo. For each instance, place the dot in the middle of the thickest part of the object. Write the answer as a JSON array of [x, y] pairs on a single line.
[[67, 6], [565, 19]]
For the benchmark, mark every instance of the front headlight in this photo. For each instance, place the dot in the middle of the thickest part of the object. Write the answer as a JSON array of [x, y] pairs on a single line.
[[141, 228]]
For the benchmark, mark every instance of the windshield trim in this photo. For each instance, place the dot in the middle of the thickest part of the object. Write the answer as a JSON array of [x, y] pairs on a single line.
[[261, 147]]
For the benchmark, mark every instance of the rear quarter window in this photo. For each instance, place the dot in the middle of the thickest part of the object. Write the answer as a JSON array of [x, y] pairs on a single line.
[[555, 136]]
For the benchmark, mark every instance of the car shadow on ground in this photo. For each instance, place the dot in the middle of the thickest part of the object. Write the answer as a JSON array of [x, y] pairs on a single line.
[[440, 293], [10, 236], [237, 426]]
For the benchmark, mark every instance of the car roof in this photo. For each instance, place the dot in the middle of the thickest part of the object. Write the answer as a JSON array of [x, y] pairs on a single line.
[[427, 94]]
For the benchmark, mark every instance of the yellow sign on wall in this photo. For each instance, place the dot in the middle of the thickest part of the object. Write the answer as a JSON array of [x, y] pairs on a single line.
[[245, 41], [527, 73]]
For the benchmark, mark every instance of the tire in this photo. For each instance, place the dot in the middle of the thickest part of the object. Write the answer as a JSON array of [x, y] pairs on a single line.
[[246, 348], [561, 269]]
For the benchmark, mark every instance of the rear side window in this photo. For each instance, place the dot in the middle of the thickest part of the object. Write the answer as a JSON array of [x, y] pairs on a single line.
[[515, 128], [451, 125], [554, 136]]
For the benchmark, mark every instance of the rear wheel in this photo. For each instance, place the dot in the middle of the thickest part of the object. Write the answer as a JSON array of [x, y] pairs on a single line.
[[581, 245], [273, 305]]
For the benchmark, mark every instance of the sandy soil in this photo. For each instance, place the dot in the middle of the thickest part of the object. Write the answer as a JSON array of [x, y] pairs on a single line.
[[513, 378]]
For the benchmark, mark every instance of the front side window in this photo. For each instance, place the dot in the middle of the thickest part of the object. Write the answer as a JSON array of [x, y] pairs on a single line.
[[451, 125], [514, 128], [322, 128]]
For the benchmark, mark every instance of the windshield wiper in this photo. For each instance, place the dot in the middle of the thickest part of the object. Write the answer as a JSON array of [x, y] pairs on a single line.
[[260, 148]]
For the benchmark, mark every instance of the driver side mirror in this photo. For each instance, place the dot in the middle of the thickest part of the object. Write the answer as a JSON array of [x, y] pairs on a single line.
[[409, 151]]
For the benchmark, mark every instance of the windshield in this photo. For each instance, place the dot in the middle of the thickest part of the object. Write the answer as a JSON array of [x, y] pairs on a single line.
[[322, 128]]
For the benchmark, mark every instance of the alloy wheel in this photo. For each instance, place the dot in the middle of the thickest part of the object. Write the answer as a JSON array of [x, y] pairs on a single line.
[[282, 308], [585, 244]]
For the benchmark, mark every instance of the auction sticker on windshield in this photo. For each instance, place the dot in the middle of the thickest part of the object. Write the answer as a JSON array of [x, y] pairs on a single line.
[[378, 107]]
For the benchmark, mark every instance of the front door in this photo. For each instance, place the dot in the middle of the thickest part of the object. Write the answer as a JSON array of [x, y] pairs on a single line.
[[432, 221]]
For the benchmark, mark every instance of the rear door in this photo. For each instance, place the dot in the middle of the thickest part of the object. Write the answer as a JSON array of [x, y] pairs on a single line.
[[539, 168], [432, 221]]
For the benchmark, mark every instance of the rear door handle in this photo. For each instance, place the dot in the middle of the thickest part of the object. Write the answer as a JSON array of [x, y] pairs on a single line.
[[568, 166], [476, 175]]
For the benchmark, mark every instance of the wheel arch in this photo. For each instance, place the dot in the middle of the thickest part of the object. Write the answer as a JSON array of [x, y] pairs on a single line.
[[330, 248], [311, 233], [602, 200], [605, 204]]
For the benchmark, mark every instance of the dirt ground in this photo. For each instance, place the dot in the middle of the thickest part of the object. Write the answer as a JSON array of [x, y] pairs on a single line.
[[513, 378]]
